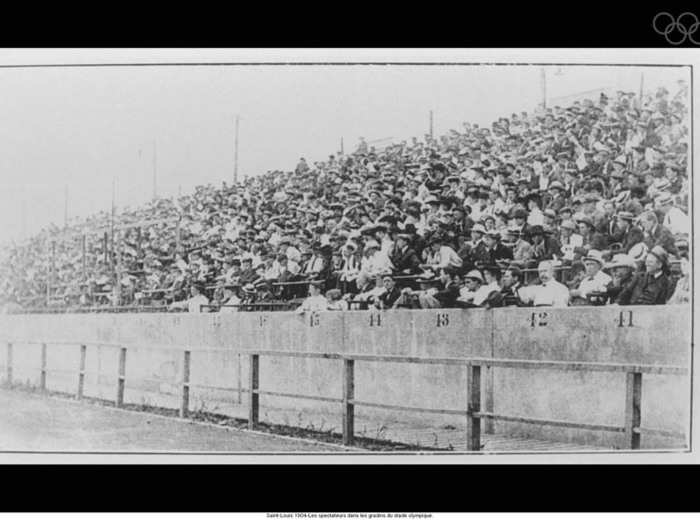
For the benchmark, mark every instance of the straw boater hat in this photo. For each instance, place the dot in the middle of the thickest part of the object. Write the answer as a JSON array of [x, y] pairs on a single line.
[[476, 275], [595, 256], [622, 260]]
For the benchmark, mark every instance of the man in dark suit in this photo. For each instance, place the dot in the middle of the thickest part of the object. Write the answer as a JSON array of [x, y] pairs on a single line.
[[652, 286], [545, 247], [495, 249], [404, 258], [391, 294]]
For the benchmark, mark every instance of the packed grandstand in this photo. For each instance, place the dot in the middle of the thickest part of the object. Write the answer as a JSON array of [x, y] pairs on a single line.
[[585, 204]]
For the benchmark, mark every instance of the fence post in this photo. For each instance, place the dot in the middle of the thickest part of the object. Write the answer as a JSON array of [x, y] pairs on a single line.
[[240, 382], [8, 364], [42, 377], [488, 399], [120, 376], [81, 372], [185, 407], [253, 404], [348, 406], [473, 406], [633, 410]]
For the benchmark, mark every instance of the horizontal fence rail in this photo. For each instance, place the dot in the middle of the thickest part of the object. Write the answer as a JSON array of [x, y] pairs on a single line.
[[632, 428]]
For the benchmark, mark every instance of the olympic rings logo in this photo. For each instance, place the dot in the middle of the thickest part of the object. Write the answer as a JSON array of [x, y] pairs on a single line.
[[677, 30]]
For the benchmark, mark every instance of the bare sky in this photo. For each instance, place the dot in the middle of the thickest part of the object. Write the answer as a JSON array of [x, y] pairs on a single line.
[[81, 127]]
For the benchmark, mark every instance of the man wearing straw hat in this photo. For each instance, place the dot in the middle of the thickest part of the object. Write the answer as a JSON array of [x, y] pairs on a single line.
[[596, 281]]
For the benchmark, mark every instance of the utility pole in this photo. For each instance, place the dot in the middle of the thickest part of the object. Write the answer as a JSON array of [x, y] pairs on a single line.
[[111, 251], [431, 124], [155, 186], [235, 155], [342, 149], [84, 250], [24, 214], [544, 88], [65, 208], [641, 89]]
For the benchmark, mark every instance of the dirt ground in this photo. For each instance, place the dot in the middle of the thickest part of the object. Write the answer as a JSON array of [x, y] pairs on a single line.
[[32, 423]]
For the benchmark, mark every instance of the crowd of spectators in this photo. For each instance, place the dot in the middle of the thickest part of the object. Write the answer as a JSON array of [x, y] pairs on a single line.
[[586, 204]]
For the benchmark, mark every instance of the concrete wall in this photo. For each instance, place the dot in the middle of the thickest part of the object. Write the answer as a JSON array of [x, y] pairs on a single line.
[[657, 335]]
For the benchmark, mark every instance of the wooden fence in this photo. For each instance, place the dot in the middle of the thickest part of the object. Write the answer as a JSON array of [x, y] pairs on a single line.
[[630, 427]]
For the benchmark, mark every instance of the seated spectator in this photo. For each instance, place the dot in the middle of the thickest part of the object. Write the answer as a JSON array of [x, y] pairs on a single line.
[[441, 255], [636, 247], [495, 251], [682, 293], [655, 234], [230, 298], [315, 301], [248, 274], [446, 296], [511, 283], [590, 238], [423, 298], [569, 240], [651, 286], [545, 247], [194, 303], [390, 295], [549, 292], [374, 263], [675, 221], [623, 268], [595, 282], [404, 258], [489, 295], [523, 252], [472, 282], [335, 301]]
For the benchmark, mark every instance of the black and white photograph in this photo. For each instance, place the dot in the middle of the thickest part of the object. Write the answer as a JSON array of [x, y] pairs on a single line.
[[459, 255]]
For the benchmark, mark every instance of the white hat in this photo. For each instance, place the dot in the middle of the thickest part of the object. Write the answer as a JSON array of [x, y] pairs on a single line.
[[594, 255], [479, 228], [475, 274], [620, 260]]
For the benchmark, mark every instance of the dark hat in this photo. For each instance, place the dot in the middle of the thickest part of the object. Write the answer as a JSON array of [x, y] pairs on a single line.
[[626, 215], [520, 213], [586, 220], [535, 230]]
